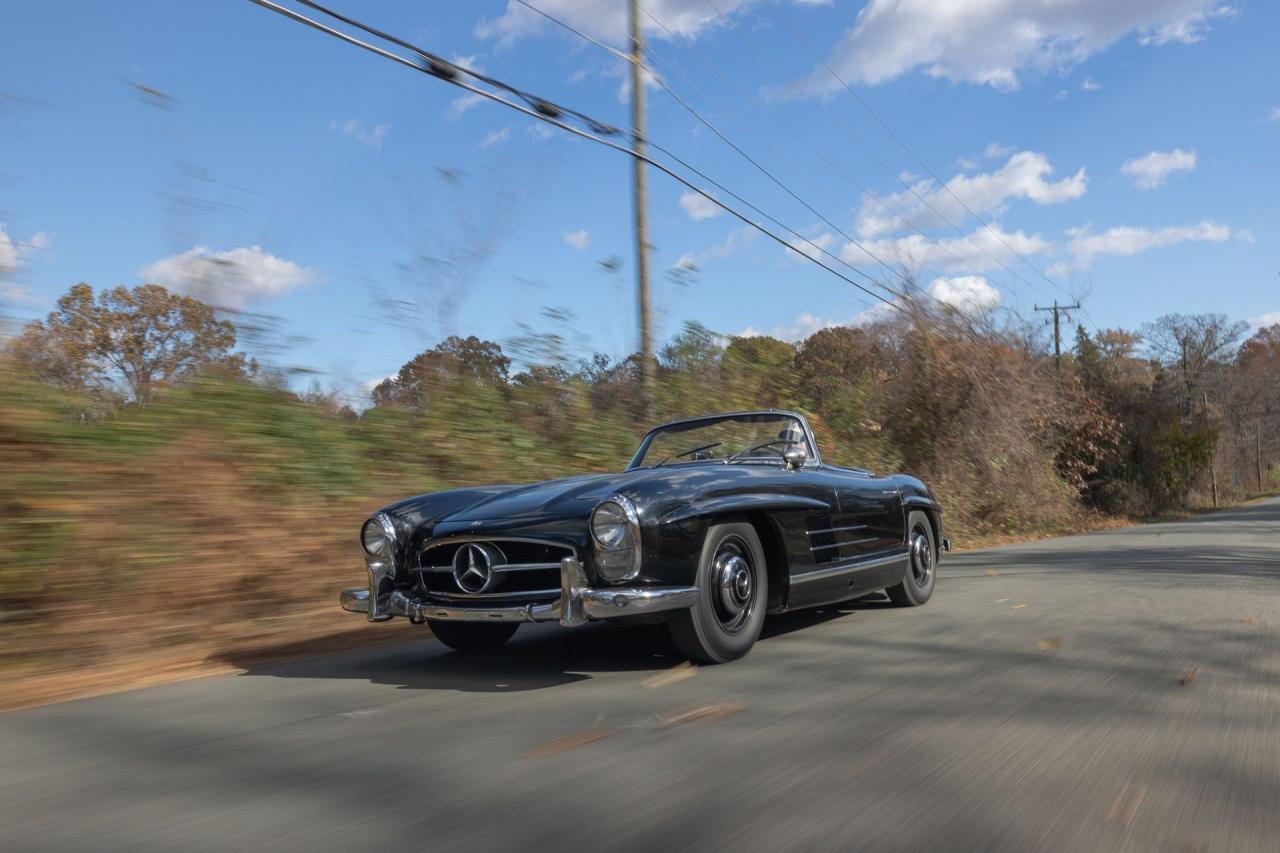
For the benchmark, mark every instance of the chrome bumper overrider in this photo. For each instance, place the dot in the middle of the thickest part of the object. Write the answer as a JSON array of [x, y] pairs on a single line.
[[578, 603]]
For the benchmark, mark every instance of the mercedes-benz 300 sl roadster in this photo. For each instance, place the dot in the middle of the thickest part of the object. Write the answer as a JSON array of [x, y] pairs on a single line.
[[716, 521]]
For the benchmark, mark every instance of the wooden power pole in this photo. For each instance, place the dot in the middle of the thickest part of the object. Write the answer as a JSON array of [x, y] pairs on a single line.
[[641, 219], [1213, 457], [1057, 310]]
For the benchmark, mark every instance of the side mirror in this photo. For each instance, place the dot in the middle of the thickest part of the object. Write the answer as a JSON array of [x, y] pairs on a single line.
[[794, 457]]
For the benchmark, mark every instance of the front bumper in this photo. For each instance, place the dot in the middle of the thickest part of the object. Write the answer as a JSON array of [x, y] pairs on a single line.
[[578, 603]]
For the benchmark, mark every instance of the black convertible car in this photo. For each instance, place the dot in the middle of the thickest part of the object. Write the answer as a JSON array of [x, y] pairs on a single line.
[[716, 521]]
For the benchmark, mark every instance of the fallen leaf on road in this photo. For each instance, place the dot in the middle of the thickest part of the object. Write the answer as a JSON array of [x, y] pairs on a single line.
[[1049, 643], [1118, 810], [993, 573], [1001, 600], [1188, 676], [1248, 620], [559, 745], [1019, 606], [705, 712], [671, 676]]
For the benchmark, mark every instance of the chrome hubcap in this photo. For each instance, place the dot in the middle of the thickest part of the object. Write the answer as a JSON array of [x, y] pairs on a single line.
[[921, 557], [734, 583], [734, 580]]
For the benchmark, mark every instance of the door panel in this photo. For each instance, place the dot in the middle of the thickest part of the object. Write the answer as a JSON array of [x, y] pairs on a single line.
[[861, 549]]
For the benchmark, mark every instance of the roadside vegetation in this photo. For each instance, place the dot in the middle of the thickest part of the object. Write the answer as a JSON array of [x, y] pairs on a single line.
[[164, 497]]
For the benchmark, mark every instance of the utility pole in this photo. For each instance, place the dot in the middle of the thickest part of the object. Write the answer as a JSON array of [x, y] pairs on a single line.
[[1057, 310], [1257, 459], [642, 242], [1213, 457]]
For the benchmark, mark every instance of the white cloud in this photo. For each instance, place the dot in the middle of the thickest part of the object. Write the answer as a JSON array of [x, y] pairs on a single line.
[[13, 253], [993, 42], [983, 250], [355, 129], [797, 330], [1150, 171], [1274, 117], [463, 103], [968, 294], [928, 205], [493, 137], [1090, 85], [698, 206], [605, 20], [1264, 321], [1125, 241], [996, 151], [812, 247], [732, 242], [16, 294], [369, 384], [539, 131], [9, 260], [579, 239], [1185, 30], [230, 279]]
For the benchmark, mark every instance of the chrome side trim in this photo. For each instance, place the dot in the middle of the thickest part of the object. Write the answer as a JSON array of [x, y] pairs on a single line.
[[850, 567], [577, 603], [842, 544], [837, 529]]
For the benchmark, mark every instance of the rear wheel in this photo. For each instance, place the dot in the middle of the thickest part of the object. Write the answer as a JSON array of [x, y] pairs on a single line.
[[472, 636], [922, 555], [733, 589]]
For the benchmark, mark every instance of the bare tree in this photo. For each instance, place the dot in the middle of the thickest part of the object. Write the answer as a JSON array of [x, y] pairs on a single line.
[[1192, 345]]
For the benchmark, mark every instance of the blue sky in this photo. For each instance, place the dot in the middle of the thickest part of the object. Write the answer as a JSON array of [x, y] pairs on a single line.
[[1127, 150]]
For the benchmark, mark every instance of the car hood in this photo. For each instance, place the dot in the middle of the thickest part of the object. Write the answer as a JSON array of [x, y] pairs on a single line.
[[570, 497], [560, 506]]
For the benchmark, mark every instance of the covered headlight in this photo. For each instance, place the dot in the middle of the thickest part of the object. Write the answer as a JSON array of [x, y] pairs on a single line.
[[615, 527], [376, 537]]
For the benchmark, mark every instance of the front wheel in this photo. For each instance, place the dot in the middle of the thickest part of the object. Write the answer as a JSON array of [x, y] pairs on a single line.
[[922, 557], [733, 592], [472, 636]]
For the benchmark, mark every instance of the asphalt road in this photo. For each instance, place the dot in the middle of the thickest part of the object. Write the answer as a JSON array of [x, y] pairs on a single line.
[[1115, 691]]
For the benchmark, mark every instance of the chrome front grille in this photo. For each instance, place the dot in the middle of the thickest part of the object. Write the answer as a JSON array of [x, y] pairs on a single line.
[[489, 571]]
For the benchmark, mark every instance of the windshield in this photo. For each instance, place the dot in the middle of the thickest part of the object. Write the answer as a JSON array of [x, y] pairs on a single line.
[[733, 438]]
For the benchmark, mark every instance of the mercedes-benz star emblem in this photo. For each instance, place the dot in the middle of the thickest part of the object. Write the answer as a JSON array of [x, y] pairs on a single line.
[[473, 569]]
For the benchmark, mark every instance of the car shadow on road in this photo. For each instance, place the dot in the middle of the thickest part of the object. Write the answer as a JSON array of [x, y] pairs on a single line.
[[538, 657]]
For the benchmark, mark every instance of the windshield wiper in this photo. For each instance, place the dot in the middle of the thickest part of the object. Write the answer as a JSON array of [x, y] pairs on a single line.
[[687, 452]]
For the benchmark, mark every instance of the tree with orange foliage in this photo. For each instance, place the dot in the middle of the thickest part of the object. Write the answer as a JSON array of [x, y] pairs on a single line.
[[131, 341]]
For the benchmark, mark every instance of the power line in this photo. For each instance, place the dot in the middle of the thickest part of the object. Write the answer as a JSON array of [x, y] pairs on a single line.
[[549, 113], [744, 155], [778, 12], [862, 187], [907, 280], [866, 150]]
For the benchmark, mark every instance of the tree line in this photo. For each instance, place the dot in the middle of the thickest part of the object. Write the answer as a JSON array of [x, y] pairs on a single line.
[[1179, 412]]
